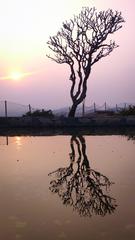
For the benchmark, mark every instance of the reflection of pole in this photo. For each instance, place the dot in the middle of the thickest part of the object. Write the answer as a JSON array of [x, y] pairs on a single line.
[[5, 108], [6, 140]]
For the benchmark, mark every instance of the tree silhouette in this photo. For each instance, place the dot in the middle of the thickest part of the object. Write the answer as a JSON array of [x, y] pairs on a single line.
[[80, 186], [80, 43]]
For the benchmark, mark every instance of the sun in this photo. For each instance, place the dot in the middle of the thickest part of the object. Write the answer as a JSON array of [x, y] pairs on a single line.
[[16, 76]]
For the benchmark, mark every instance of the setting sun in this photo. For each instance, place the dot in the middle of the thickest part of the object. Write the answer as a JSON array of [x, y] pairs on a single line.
[[16, 75]]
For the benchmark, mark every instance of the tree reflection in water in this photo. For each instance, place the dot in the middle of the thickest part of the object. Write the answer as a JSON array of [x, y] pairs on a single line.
[[81, 187]]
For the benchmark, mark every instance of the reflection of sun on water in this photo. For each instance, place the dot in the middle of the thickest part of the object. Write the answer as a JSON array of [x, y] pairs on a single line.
[[18, 141]]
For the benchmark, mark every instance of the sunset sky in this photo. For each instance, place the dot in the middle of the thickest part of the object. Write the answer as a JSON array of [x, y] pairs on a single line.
[[28, 76]]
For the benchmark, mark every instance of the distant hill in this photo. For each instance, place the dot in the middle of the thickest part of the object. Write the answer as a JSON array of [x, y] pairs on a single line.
[[89, 110], [15, 109]]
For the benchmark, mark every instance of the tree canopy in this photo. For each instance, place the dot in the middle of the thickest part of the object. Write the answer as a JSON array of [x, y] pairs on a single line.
[[80, 43]]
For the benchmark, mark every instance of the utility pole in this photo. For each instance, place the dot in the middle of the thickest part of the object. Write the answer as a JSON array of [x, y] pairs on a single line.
[[105, 107], [6, 109], [29, 108], [94, 107], [116, 108], [83, 108]]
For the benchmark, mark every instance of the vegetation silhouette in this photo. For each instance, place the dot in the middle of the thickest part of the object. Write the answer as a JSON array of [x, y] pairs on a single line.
[[80, 186], [40, 113], [80, 43], [130, 110]]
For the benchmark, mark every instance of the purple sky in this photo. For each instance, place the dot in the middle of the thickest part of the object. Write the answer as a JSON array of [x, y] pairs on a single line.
[[25, 27]]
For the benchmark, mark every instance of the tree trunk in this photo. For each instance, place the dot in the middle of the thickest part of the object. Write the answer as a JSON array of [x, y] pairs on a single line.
[[72, 110], [80, 99]]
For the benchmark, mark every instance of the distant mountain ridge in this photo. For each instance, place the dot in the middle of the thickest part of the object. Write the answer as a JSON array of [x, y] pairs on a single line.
[[91, 109], [18, 110]]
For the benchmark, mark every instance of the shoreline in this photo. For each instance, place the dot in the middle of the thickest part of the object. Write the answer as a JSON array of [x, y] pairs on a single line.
[[123, 131], [40, 126], [63, 122]]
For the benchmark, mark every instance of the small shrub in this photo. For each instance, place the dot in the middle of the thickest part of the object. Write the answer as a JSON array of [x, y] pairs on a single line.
[[40, 113], [128, 111]]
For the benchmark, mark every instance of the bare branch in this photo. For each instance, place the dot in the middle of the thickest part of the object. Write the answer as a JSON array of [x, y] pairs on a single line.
[[106, 49], [81, 42]]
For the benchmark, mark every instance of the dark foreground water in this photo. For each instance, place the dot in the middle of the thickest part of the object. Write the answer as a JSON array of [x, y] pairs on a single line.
[[67, 187]]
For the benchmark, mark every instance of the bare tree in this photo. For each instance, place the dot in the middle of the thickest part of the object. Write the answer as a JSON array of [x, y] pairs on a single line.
[[80, 186], [80, 43]]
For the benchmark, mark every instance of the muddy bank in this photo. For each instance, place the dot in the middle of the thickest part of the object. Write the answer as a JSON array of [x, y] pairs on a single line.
[[42, 122]]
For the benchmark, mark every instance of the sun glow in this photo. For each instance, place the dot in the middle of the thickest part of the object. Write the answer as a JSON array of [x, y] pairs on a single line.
[[16, 76]]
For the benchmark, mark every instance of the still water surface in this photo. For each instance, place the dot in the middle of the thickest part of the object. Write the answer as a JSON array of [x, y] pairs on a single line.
[[67, 187]]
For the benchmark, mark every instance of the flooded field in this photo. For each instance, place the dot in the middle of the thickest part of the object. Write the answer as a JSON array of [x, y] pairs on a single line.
[[67, 187]]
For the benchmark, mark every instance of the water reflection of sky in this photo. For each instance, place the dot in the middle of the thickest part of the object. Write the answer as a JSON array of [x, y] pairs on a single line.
[[30, 211]]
